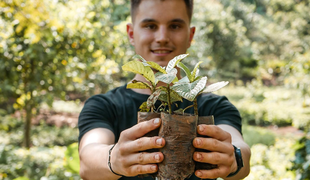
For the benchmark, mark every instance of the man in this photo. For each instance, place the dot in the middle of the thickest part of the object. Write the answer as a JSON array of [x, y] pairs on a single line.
[[160, 30]]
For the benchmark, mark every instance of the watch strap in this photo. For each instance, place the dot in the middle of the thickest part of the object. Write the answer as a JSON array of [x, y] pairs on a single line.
[[239, 161]]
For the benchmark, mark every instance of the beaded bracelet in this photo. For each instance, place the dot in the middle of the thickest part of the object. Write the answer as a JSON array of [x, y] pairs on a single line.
[[109, 162]]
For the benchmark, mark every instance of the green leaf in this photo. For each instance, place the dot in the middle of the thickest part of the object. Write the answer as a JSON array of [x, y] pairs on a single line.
[[138, 85], [72, 161], [195, 72], [173, 62], [185, 69], [138, 68], [215, 86]]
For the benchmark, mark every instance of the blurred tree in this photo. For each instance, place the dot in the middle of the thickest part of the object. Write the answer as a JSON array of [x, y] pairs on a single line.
[[50, 48]]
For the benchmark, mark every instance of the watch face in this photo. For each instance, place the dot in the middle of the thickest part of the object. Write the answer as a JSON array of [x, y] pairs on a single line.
[[239, 157]]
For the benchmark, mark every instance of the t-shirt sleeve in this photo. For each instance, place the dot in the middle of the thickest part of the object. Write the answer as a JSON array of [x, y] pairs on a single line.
[[96, 113], [224, 111]]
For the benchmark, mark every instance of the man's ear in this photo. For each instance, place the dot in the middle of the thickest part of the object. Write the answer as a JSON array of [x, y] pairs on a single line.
[[130, 33], [191, 35]]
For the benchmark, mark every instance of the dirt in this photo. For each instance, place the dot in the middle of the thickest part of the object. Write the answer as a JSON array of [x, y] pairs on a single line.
[[286, 130], [58, 119]]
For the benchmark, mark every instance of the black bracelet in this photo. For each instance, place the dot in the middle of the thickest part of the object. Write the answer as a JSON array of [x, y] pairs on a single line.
[[109, 162]]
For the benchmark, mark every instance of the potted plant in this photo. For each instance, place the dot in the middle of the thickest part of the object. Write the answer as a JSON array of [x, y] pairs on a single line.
[[178, 128]]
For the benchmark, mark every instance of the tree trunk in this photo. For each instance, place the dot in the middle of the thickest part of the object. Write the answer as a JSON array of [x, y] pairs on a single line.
[[27, 130]]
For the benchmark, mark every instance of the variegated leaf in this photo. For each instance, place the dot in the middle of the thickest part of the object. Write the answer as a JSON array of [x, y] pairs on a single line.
[[190, 91], [195, 72], [173, 62], [174, 97], [138, 85], [185, 69], [144, 62], [156, 67], [167, 78], [143, 107], [215, 86], [138, 68], [153, 98], [183, 80], [197, 88]]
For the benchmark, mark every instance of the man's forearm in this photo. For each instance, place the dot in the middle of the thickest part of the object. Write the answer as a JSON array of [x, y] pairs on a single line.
[[93, 162]]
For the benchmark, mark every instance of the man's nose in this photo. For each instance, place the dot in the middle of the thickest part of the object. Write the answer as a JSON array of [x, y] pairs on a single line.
[[162, 35]]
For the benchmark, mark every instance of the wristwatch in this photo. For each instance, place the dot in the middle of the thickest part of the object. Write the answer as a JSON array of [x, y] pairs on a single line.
[[239, 161]]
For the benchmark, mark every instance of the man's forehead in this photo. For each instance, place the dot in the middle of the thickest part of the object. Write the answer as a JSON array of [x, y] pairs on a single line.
[[160, 8]]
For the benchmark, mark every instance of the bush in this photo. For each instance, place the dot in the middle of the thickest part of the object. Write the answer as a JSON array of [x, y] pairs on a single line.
[[301, 164], [272, 162], [35, 163], [259, 105], [256, 135]]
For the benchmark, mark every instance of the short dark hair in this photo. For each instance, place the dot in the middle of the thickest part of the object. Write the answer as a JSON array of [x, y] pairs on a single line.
[[188, 3]]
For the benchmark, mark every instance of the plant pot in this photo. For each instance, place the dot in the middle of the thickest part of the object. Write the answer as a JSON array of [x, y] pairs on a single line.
[[209, 120], [179, 132]]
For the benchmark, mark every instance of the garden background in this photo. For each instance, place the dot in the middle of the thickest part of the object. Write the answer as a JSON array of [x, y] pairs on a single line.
[[54, 54]]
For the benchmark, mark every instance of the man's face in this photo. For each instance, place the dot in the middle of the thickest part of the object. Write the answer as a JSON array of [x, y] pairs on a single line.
[[160, 30]]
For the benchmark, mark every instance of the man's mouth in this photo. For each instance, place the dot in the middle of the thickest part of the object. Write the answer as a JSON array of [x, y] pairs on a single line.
[[161, 51]]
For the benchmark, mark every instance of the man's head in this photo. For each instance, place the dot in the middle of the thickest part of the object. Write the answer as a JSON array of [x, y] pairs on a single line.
[[189, 6], [160, 29]]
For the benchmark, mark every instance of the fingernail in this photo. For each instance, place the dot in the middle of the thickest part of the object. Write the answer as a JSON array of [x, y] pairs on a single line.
[[198, 174], [156, 121], [157, 157], [198, 156], [153, 168], [198, 142], [200, 128], [159, 141]]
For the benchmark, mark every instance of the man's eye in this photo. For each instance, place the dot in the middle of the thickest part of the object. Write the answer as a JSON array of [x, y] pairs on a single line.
[[150, 26], [175, 26]]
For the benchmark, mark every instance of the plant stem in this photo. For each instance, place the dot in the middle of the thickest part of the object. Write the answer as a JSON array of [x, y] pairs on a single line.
[[195, 107], [169, 99]]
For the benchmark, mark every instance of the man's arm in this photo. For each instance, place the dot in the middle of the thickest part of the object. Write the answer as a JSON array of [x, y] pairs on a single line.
[[126, 157], [239, 142], [220, 141]]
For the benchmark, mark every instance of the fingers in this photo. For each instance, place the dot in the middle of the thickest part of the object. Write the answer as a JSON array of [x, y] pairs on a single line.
[[145, 158], [213, 145], [140, 129], [221, 171], [141, 144], [223, 162], [214, 132], [214, 158], [137, 169]]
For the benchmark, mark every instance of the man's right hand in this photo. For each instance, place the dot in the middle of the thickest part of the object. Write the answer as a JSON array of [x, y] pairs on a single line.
[[128, 157]]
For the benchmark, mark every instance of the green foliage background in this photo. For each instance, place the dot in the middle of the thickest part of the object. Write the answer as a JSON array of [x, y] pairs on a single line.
[[72, 49]]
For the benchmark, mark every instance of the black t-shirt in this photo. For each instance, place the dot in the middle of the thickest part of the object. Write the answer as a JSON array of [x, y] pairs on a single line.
[[117, 110]]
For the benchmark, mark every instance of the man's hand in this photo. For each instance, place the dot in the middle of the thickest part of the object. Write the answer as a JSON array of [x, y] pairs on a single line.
[[127, 158], [219, 142]]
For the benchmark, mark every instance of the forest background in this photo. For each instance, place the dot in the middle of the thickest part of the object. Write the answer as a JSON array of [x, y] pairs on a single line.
[[54, 54]]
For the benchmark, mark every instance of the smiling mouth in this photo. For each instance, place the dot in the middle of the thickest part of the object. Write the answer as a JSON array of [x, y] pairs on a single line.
[[161, 51]]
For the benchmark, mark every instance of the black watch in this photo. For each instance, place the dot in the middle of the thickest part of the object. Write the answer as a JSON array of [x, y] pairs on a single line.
[[239, 161]]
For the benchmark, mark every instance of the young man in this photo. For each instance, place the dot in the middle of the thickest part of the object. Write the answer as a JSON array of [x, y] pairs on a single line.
[[160, 30]]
